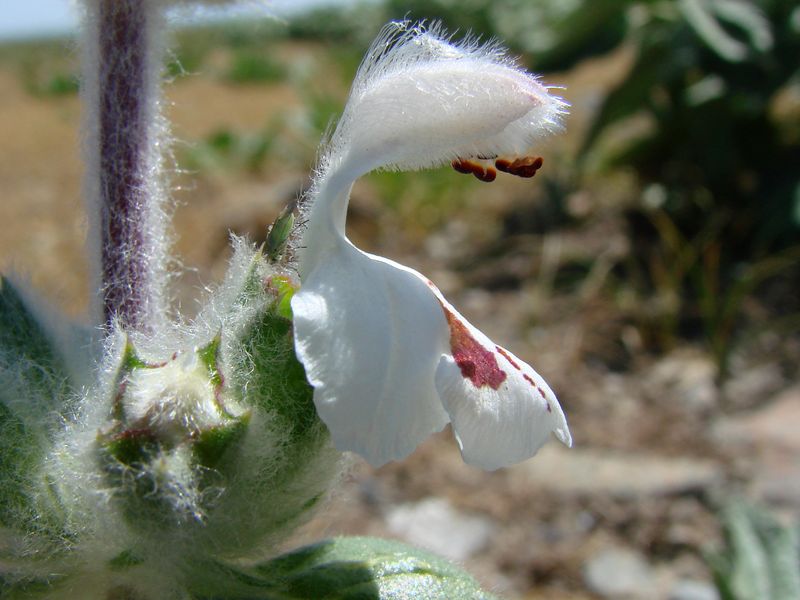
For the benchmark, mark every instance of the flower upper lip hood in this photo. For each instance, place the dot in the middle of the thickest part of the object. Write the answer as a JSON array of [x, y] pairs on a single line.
[[391, 361]]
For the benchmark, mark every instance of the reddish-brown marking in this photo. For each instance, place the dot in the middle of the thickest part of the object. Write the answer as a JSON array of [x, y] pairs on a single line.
[[507, 356], [526, 166], [530, 380], [476, 363]]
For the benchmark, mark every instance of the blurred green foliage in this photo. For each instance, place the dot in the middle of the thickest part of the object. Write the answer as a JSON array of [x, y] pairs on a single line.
[[226, 149], [719, 159], [247, 67], [46, 69], [760, 559]]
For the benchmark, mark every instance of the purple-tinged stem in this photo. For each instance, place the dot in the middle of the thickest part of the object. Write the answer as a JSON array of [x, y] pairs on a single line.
[[124, 153]]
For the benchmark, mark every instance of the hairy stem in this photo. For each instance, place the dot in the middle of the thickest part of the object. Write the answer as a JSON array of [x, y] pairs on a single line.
[[125, 188]]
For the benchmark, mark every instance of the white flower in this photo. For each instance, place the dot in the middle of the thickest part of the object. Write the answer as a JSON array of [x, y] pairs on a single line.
[[391, 361]]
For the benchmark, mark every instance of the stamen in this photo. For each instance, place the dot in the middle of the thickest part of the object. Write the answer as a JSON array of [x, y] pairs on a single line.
[[462, 165], [488, 174], [525, 166]]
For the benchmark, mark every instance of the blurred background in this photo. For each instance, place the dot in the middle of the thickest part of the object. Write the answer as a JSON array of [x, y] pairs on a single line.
[[650, 271]]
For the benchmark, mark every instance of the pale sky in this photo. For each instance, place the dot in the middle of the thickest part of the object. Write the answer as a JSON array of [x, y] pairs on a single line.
[[37, 18]]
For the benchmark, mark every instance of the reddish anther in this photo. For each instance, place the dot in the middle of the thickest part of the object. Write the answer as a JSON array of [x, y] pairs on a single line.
[[462, 165], [488, 175], [521, 167]]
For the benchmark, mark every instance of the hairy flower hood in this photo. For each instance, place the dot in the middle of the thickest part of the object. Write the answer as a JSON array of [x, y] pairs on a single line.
[[391, 361]]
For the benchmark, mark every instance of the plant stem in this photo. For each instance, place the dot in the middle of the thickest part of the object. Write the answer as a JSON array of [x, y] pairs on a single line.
[[125, 188]]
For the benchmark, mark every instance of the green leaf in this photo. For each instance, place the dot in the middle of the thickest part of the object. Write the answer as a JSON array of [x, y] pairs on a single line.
[[761, 559], [353, 568], [33, 382], [782, 555], [750, 577], [24, 345]]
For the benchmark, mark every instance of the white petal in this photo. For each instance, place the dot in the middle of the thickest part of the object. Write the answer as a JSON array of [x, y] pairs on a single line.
[[370, 335], [438, 111], [501, 409]]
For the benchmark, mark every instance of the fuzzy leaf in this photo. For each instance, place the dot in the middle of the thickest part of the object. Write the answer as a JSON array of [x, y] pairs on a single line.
[[24, 345], [354, 568], [33, 384]]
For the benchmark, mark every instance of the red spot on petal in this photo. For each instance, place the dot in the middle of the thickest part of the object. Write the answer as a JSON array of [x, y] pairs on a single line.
[[507, 356], [539, 390], [476, 363]]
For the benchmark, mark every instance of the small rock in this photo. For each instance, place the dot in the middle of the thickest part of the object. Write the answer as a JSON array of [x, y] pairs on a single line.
[[773, 426], [434, 524], [778, 482], [768, 438], [688, 376], [690, 589], [575, 471], [619, 573], [749, 386]]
